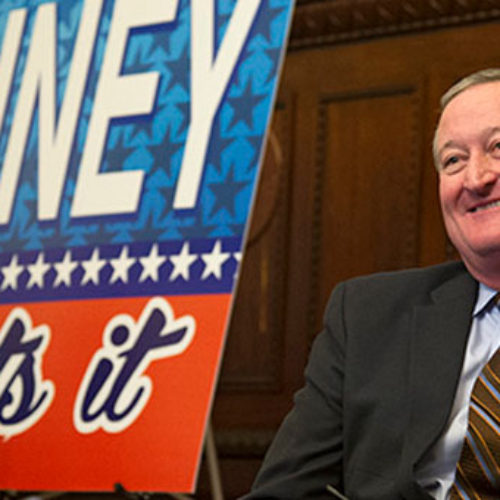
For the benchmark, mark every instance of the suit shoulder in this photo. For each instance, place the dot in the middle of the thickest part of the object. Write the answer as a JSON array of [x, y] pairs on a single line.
[[399, 288], [381, 301], [421, 278]]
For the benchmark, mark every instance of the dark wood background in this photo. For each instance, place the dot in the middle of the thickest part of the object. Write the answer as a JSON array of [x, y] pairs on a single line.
[[348, 188]]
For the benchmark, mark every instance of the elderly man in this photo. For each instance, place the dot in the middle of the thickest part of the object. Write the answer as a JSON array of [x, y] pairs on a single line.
[[386, 411]]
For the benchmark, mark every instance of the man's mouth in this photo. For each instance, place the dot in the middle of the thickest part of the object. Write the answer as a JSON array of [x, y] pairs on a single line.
[[486, 206]]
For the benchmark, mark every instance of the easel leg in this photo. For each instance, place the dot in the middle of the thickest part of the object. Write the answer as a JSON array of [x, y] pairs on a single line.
[[213, 465]]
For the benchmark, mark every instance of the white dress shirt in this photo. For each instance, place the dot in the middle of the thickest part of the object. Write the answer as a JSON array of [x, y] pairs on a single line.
[[436, 472]]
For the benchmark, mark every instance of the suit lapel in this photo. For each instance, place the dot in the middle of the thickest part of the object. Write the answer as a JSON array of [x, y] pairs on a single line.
[[438, 345]]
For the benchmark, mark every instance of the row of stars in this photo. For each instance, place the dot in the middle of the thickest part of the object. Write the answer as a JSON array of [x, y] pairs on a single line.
[[151, 264]]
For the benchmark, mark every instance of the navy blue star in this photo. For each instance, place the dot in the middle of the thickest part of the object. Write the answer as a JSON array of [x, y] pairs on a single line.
[[117, 157], [142, 126], [148, 128], [225, 193], [243, 106], [184, 114], [141, 62], [152, 200], [167, 192], [261, 24], [99, 236], [264, 25], [217, 146], [163, 155], [76, 231], [223, 140], [148, 232], [273, 54], [166, 37], [179, 69], [172, 223]]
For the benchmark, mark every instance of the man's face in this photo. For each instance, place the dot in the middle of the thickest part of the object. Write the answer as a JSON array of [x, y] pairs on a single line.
[[468, 150]]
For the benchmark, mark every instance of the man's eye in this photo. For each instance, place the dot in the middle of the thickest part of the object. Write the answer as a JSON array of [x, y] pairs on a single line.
[[452, 160], [495, 149], [453, 164]]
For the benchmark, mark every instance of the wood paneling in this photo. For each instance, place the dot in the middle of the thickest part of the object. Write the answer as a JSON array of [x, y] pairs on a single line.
[[368, 184]]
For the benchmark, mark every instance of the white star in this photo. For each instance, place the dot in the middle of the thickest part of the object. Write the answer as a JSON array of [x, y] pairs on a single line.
[[182, 262], [11, 273], [213, 261], [64, 270], [121, 265], [37, 272], [151, 264], [92, 268]]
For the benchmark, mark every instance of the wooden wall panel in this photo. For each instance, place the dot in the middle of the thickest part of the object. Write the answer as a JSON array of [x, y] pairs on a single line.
[[368, 183]]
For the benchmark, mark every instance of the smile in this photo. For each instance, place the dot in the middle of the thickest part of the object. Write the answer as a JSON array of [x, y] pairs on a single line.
[[479, 208]]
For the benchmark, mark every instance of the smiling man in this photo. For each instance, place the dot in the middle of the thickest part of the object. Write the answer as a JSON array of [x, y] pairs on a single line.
[[402, 389], [467, 150]]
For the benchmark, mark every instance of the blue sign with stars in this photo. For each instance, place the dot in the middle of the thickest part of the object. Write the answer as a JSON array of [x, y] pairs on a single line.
[[152, 132]]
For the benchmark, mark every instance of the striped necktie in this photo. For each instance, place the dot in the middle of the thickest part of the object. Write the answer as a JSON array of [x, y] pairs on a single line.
[[478, 470]]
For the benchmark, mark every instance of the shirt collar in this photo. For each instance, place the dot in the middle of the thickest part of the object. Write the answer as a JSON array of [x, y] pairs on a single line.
[[484, 296]]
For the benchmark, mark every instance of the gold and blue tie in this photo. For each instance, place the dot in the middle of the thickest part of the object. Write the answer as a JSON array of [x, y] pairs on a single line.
[[478, 470]]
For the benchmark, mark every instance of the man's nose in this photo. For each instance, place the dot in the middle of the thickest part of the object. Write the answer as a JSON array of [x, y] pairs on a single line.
[[481, 173]]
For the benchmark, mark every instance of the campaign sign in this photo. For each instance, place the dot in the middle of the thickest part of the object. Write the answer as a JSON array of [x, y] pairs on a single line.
[[131, 134]]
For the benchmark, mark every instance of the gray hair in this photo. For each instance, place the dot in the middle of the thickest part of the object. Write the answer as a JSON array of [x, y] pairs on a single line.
[[483, 76]]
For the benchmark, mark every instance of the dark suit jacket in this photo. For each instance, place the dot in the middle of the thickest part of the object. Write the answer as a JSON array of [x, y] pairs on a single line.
[[380, 384]]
